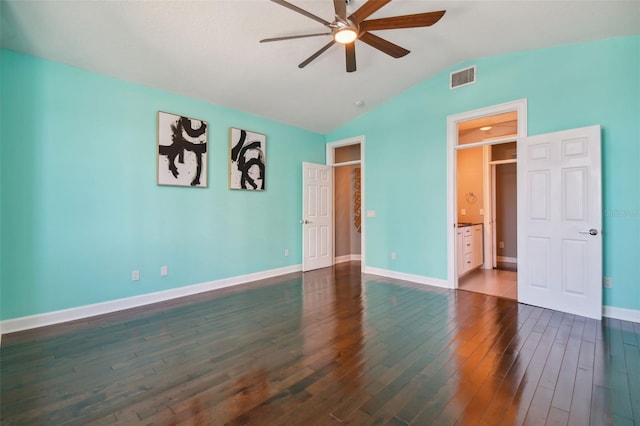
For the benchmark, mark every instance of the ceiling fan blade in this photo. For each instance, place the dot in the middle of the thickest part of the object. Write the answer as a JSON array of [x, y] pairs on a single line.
[[341, 8], [383, 45], [350, 50], [367, 9], [301, 11], [292, 37], [406, 21], [315, 55]]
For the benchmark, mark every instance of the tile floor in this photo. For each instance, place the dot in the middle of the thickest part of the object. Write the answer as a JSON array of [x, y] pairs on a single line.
[[495, 282]]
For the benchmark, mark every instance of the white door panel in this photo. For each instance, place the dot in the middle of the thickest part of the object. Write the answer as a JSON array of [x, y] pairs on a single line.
[[559, 203], [317, 216]]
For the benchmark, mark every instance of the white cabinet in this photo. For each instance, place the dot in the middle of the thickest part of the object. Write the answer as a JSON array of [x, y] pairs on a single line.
[[469, 248], [478, 245], [459, 250]]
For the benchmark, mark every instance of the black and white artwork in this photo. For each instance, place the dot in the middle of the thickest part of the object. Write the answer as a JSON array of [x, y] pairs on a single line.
[[182, 151], [247, 161]]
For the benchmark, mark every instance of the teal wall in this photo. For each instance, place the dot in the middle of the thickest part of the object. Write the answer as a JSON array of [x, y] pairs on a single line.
[[1, 191], [566, 87], [80, 208], [80, 205]]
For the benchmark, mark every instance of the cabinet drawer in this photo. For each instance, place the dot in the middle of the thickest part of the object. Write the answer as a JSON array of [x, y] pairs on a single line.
[[467, 244], [468, 261], [466, 230]]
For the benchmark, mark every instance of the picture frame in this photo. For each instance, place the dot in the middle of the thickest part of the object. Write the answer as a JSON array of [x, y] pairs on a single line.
[[247, 159], [182, 151]]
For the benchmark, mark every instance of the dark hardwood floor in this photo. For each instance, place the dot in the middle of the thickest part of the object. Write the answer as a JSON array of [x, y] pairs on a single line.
[[325, 347]]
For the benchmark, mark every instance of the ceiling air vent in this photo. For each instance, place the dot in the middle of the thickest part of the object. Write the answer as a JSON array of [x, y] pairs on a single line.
[[462, 77]]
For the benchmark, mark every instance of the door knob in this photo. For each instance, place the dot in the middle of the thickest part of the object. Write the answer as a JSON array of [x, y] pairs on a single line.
[[304, 221], [591, 231]]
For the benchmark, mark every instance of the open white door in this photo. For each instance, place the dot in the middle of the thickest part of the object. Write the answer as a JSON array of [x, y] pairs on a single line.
[[560, 221], [317, 216]]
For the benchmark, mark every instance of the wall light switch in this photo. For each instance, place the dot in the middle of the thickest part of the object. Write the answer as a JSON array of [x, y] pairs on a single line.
[[463, 212], [164, 270], [286, 252]]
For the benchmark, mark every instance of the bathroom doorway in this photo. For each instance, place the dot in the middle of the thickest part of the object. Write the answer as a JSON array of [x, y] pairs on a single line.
[[486, 205]]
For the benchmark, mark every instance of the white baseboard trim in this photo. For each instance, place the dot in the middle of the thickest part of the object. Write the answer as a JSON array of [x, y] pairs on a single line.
[[56, 317], [420, 279], [347, 258], [607, 311], [631, 315], [507, 259]]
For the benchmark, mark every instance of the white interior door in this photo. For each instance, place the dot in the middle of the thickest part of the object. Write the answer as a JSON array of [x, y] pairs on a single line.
[[317, 216], [560, 221]]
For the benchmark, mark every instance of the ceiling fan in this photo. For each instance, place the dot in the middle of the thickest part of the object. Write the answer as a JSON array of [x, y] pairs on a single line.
[[347, 29]]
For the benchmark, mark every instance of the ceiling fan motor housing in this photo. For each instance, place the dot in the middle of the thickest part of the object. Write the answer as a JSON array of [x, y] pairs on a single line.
[[345, 25]]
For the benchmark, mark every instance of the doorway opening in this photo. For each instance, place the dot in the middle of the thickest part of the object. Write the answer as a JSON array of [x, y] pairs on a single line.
[[504, 195], [487, 199], [347, 159], [483, 198]]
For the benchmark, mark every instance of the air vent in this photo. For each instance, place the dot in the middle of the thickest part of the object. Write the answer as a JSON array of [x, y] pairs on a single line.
[[462, 77]]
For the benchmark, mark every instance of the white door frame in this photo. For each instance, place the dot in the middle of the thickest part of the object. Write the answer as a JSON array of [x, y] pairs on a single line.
[[492, 219], [330, 161], [520, 106]]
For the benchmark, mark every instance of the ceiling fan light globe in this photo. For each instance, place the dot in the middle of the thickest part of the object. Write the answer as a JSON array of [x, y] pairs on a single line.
[[345, 35]]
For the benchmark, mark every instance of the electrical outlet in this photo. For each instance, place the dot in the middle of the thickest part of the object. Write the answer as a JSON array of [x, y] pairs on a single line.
[[607, 282], [463, 212], [393, 255], [135, 276], [286, 252], [481, 212], [164, 270], [501, 244]]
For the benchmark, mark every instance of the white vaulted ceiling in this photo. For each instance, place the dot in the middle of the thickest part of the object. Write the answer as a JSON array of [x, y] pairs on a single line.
[[209, 49]]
